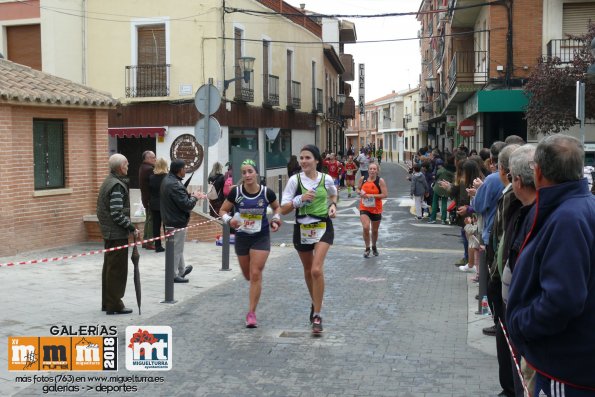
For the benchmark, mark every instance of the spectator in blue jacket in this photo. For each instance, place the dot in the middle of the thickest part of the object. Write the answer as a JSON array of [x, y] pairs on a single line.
[[551, 306]]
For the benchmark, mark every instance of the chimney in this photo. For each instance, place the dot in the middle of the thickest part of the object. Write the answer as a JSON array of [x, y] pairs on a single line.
[[303, 6]]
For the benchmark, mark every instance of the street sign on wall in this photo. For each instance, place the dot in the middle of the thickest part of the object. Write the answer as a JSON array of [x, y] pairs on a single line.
[[467, 128], [362, 88]]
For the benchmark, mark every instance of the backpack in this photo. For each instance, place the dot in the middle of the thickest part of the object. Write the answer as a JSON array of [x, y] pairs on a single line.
[[227, 186], [212, 193]]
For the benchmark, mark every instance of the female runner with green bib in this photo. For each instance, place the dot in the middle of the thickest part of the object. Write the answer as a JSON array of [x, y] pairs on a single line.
[[313, 197]]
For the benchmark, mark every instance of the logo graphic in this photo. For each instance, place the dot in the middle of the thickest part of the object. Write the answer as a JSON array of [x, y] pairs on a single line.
[[23, 353], [62, 353], [149, 348], [55, 353]]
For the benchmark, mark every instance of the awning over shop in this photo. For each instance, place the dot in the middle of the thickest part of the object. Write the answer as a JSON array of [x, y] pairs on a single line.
[[496, 101], [502, 101], [137, 132]]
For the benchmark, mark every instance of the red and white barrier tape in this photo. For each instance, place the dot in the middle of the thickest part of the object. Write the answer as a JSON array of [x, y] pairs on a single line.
[[61, 258], [514, 358]]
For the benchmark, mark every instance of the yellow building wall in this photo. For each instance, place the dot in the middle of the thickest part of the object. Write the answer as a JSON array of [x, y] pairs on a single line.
[[195, 46]]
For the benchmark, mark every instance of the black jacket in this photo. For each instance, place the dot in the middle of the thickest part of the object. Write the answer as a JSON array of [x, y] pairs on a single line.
[[176, 203], [155, 189]]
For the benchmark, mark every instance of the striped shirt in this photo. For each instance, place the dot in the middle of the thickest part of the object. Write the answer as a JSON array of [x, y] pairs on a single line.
[[116, 208]]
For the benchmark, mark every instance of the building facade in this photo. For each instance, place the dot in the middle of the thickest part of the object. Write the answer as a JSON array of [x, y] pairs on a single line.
[[54, 140], [153, 56], [477, 57]]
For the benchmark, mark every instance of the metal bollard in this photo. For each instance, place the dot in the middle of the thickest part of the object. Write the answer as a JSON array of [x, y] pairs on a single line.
[[280, 186], [483, 278], [169, 267], [225, 248]]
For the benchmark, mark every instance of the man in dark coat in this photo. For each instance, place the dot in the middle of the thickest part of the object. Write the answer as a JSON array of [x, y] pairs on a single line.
[[113, 212], [144, 173], [176, 206]]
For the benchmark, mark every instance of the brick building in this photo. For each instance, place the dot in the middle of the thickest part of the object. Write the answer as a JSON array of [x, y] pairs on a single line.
[[53, 157]]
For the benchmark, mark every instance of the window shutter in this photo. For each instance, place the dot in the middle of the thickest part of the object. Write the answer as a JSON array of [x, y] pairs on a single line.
[[55, 154], [39, 155], [576, 16]]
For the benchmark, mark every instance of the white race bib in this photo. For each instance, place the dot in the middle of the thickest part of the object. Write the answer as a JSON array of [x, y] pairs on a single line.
[[312, 233], [251, 223], [369, 202]]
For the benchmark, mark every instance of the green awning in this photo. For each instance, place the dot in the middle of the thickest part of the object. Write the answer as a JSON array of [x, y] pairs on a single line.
[[502, 101]]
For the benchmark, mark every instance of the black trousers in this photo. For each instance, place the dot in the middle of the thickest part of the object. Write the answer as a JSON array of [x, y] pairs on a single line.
[[114, 275], [156, 227], [505, 368]]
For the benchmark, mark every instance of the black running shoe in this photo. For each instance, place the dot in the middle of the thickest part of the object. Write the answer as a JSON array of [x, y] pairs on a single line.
[[311, 313], [374, 251], [317, 325], [367, 253]]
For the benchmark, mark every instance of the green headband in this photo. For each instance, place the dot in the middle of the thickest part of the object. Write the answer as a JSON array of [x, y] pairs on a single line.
[[251, 163]]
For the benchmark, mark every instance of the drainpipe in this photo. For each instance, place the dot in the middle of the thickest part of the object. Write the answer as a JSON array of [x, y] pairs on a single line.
[[509, 44], [84, 44], [223, 44]]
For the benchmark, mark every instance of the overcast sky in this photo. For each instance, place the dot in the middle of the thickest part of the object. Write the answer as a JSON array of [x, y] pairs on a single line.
[[389, 65]]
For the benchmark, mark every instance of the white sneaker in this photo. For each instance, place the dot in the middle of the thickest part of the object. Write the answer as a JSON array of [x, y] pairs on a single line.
[[467, 269]]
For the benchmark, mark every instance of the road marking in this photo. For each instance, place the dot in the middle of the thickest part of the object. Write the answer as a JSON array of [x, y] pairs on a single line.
[[428, 225], [408, 249]]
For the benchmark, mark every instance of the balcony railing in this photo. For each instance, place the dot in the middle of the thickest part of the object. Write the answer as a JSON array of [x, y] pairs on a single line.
[[319, 106], [348, 110], [244, 90], [564, 49], [270, 90], [294, 95], [468, 67], [147, 81], [349, 65]]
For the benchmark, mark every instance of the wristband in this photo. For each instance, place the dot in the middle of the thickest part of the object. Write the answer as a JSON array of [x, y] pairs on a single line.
[[335, 204], [297, 201], [226, 218], [276, 217]]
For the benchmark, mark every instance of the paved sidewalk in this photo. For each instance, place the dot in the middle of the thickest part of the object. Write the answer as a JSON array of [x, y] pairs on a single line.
[[68, 292], [397, 325]]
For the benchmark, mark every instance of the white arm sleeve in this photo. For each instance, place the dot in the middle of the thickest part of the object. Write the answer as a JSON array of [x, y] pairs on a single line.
[[289, 191], [330, 185]]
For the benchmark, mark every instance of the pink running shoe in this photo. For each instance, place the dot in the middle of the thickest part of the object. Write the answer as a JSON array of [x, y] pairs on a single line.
[[251, 320]]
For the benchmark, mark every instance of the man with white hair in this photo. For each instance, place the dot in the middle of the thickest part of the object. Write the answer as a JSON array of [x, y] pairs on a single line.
[[551, 304], [113, 212]]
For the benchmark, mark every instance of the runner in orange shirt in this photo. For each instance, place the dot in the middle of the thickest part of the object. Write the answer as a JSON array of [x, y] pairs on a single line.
[[371, 190]]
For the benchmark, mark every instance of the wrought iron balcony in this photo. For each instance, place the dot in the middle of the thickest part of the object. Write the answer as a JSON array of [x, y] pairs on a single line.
[[468, 67], [147, 81], [244, 90], [294, 95], [318, 100], [270, 90], [564, 49]]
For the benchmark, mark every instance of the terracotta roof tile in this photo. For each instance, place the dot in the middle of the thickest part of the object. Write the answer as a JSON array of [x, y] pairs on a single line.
[[19, 83]]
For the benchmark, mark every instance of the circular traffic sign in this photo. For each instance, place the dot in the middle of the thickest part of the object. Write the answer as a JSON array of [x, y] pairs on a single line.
[[467, 128], [207, 93], [214, 131]]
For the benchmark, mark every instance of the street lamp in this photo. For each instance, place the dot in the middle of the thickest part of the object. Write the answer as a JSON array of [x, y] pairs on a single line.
[[246, 67]]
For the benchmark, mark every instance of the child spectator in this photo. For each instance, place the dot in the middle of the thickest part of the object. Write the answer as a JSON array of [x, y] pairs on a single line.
[[419, 189], [471, 232]]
